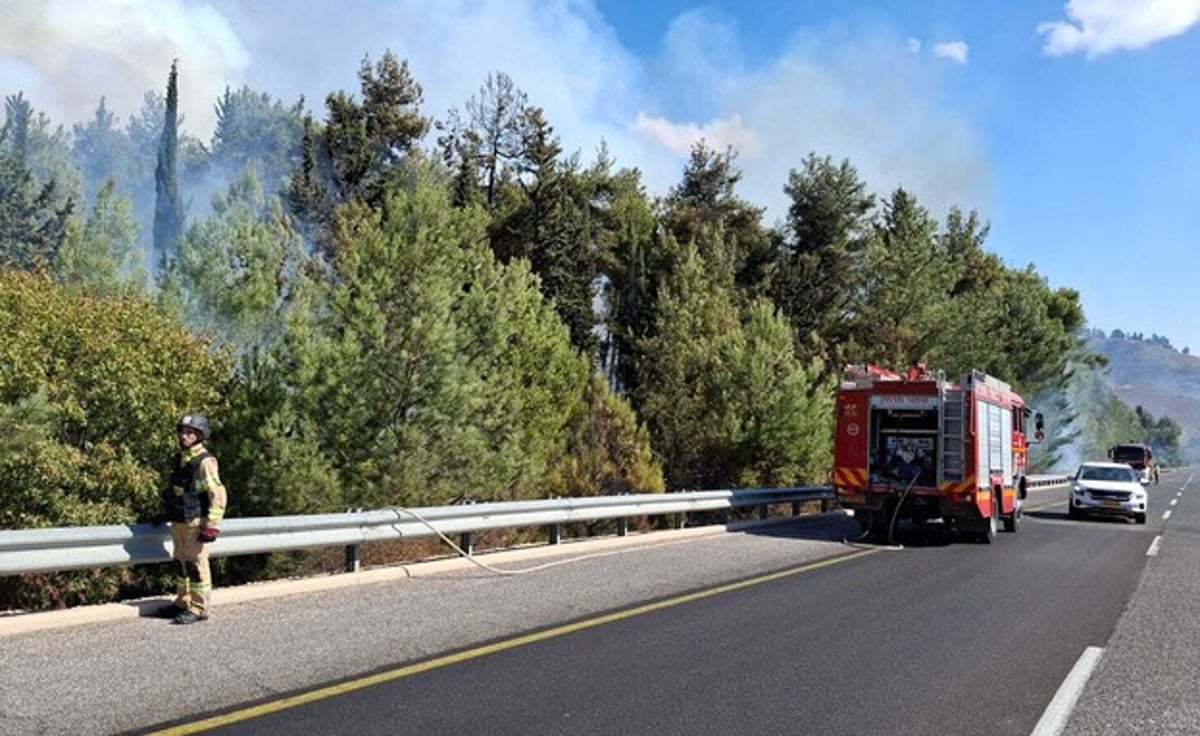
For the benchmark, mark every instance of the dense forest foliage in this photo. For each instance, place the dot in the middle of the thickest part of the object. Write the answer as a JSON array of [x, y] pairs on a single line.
[[375, 307]]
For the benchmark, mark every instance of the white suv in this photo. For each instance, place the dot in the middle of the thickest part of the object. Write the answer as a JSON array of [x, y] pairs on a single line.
[[1113, 489]]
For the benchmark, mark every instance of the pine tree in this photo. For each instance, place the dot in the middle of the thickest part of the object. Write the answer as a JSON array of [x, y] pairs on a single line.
[[1037, 326], [974, 287], [633, 263], [306, 196], [550, 224], [364, 142], [103, 253], [497, 115], [906, 283], [681, 390], [819, 273], [783, 408], [431, 368], [239, 263], [254, 131], [607, 451], [705, 201], [460, 146], [101, 150], [33, 223]]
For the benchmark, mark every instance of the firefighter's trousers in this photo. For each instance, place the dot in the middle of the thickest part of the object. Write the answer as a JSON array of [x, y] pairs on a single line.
[[194, 586]]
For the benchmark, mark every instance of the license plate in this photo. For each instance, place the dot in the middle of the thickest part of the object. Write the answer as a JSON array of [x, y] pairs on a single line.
[[1111, 504]]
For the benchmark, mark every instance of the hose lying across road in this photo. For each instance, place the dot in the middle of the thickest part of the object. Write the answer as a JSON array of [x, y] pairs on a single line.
[[399, 510]]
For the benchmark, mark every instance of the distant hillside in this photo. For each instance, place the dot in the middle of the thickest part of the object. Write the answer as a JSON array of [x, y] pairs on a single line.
[[1160, 380]]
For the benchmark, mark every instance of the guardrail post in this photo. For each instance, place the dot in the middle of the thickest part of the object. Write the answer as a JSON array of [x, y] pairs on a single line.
[[622, 526], [764, 512], [353, 551], [796, 507], [466, 543], [354, 558], [553, 532]]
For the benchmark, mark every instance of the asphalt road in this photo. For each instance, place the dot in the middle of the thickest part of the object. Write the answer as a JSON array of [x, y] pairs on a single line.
[[935, 637], [1148, 677]]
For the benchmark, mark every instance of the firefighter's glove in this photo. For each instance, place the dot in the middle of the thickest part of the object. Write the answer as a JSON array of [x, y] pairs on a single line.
[[209, 534]]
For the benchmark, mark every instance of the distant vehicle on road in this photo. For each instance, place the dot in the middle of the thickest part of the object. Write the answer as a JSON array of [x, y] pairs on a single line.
[[1137, 456], [1108, 489]]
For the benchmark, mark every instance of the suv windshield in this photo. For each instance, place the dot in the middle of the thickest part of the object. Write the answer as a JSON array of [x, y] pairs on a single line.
[[1111, 474]]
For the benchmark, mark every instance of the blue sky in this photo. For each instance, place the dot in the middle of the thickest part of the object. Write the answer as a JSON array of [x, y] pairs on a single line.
[[1071, 126]]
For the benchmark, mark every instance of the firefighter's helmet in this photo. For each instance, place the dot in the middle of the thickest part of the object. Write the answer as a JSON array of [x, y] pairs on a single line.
[[197, 422]]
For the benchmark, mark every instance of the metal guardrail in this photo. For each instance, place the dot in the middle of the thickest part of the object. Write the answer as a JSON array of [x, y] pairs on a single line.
[[1046, 481], [74, 548]]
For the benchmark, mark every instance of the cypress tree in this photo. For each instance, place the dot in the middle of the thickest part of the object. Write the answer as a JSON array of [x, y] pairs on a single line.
[[168, 208]]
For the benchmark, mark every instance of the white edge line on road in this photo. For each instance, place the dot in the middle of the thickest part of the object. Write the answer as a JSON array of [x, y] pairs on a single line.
[[1174, 501], [1054, 718], [1154, 546], [1166, 514]]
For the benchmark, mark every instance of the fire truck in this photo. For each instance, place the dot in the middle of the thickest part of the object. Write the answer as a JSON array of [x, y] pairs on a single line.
[[917, 446], [1137, 455]]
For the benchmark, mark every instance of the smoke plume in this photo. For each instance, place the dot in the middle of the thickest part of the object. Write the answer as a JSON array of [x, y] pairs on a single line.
[[67, 54]]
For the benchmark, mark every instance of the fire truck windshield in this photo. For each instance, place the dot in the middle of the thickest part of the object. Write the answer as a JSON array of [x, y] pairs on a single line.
[[1131, 453]]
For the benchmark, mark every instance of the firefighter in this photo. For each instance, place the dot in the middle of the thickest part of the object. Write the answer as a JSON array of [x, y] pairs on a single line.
[[194, 504]]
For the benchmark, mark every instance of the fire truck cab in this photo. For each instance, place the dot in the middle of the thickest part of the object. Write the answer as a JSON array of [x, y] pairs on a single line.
[[1136, 455], [919, 447]]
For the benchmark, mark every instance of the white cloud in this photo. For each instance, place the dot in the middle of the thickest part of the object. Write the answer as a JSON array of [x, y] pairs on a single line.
[[680, 137], [914, 45], [953, 50], [66, 54], [1097, 27]]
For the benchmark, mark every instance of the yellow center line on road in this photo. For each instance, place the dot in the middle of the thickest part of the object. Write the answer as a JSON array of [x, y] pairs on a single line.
[[323, 693], [1041, 506]]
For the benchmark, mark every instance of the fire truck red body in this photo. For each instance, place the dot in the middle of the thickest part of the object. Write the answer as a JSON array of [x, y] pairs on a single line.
[[917, 446]]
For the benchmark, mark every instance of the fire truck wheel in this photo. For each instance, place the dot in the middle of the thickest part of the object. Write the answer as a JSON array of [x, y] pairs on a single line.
[[990, 524], [879, 523], [1012, 521]]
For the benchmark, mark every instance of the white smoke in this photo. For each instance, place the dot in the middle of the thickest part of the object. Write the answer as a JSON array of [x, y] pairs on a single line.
[[860, 95], [64, 55]]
